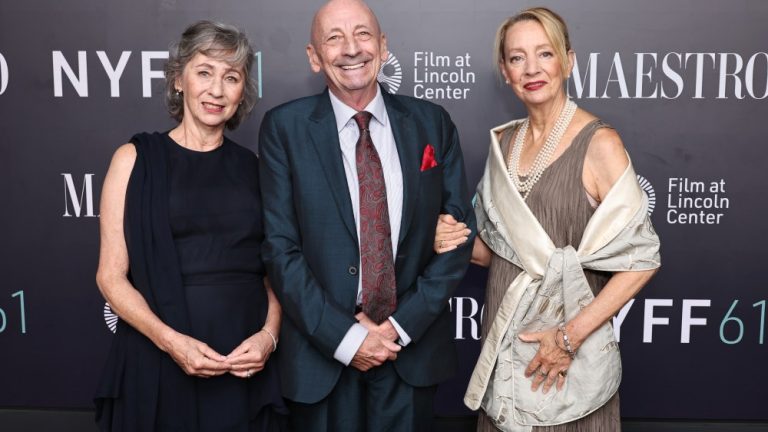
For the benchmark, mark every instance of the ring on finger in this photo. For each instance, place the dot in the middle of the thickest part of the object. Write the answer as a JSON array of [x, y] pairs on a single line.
[[563, 373], [441, 244], [248, 373], [542, 373]]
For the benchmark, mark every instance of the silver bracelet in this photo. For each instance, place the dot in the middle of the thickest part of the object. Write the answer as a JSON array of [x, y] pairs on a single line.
[[566, 341], [274, 340]]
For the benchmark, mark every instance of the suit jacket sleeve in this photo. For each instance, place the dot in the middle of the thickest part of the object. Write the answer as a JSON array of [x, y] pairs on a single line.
[[428, 297], [303, 299]]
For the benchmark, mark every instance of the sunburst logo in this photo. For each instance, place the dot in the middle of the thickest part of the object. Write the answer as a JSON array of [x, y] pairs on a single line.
[[391, 74], [110, 318], [648, 188]]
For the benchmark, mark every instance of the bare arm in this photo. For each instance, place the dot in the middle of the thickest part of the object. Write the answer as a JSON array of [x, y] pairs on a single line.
[[605, 162], [275, 312], [193, 356], [481, 253], [621, 288]]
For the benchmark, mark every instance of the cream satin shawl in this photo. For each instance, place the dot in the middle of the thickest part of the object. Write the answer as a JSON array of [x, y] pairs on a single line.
[[552, 289]]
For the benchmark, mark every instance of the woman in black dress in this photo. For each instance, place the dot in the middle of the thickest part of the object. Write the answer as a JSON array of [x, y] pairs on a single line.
[[180, 259]]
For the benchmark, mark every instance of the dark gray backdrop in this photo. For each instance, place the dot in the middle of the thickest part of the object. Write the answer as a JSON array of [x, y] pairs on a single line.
[[692, 342]]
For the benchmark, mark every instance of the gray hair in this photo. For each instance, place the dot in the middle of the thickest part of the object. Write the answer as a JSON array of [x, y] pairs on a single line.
[[219, 41]]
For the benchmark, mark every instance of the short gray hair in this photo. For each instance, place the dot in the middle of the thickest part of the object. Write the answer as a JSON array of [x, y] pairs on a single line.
[[217, 40]]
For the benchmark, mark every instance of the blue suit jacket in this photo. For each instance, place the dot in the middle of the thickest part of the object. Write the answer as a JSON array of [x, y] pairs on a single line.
[[311, 245]]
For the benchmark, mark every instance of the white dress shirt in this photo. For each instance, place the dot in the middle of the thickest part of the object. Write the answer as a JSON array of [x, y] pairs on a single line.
[[384, 142]]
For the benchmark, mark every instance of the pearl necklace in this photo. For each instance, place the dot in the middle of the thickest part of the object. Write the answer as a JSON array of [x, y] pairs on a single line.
[[542, 159]]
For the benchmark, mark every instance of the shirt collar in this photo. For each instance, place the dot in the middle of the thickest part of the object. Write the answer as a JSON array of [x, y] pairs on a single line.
[[344, 112]]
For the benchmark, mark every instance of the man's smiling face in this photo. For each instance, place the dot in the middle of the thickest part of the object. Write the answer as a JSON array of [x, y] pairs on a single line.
[[348, 46]]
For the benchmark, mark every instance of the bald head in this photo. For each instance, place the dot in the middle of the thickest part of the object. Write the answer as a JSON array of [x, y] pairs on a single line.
[[348, 48], [337, 7]]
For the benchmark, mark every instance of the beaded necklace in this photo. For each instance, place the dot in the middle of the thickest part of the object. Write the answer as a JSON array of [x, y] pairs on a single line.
[[544, 155]]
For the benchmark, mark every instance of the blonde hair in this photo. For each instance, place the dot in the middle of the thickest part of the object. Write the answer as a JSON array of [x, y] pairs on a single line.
[[554, 27]]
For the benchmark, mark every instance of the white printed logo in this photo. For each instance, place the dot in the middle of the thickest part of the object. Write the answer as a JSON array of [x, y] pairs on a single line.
[[3, 74], [648, 188], [110, 318], [391, 74]]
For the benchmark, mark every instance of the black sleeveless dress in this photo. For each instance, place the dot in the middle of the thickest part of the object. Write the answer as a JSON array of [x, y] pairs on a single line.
[[214, 216]]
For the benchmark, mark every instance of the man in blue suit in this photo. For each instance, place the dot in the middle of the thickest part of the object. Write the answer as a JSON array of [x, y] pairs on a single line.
[[353, 180]]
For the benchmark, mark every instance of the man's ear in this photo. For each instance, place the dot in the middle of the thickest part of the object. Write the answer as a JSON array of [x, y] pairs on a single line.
[[384, 50], [314, 59]]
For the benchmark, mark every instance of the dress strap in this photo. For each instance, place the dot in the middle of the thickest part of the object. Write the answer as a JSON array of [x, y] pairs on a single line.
[[505, 139]]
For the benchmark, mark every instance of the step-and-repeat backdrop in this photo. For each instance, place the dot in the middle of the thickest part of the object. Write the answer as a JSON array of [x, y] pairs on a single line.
[[684, 82]]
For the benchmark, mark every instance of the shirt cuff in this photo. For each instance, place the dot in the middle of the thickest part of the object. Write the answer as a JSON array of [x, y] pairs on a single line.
[[350, 344], [404, 338]]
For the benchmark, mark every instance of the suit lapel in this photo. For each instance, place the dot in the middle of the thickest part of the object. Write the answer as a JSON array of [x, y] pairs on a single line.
[[405, 131], [325, 138]]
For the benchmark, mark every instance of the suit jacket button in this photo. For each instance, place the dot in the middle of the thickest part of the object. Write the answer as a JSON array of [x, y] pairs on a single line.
[[352, 270]]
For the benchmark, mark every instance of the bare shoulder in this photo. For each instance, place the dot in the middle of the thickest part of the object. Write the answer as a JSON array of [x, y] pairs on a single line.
[[606, 151], [120, 170], [604, 163], [122, 162], [125, 155]]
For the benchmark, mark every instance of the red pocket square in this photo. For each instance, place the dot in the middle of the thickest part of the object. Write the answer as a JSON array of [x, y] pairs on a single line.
[[428, 158]]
